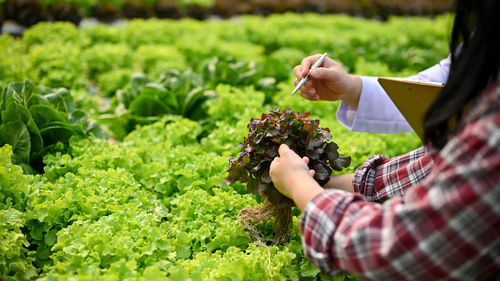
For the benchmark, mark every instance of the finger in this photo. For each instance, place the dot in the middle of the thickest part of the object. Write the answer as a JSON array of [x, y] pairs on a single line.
[[312, 173], [273, 166], [308, 84], [308, 62], [305, 94], [305, 85], [283, 149], [306, 159], [306, 88], [310, 92], [328, 62], [309, 96], [276, 160], [305, 65]]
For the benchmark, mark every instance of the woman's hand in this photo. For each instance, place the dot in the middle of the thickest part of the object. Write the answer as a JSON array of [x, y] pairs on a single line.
[[286, 168], [328, 82], [292, 177]]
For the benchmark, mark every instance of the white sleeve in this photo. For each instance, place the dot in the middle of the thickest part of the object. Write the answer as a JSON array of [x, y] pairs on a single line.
[[376, 112]]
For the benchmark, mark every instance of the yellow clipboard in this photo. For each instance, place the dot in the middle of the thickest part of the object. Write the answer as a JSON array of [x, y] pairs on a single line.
[[412, 98]]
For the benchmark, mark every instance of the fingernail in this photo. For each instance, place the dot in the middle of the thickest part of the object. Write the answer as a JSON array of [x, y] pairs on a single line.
[[313, 72]]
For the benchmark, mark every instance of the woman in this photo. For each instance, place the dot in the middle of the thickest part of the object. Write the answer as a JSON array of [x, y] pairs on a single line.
[[434, 213]]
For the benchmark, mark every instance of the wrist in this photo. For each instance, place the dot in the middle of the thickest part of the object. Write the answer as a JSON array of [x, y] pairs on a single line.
[[353, 92], [303, 190]]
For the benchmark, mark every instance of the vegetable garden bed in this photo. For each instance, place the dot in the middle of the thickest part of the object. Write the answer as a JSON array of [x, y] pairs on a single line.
[[144, 198], [29, 12]]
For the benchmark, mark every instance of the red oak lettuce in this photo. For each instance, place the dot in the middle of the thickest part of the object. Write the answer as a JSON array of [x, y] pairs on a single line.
[[265, 136]]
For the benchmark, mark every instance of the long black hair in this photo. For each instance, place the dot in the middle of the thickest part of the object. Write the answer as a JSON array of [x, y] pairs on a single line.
[[475, 60]]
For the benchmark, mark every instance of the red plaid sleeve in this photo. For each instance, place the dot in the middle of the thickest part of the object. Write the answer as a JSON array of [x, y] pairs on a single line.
[[445, 227], [381, 178]]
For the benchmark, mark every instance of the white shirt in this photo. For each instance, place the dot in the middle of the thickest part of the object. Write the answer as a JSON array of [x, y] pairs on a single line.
[[376, 112]]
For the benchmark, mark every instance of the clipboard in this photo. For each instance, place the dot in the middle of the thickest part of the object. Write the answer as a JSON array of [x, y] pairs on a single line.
[[412, 98]]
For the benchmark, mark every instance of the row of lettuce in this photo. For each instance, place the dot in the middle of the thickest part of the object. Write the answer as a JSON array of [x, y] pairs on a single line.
[[61, 55], [153, 206], [121, 77], [30, 12]]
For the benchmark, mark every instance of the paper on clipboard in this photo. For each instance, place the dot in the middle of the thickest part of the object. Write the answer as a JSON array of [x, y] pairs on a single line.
[[412, 98]]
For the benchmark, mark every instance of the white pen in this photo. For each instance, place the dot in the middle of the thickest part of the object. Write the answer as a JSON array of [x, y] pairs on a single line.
[[304, 80]]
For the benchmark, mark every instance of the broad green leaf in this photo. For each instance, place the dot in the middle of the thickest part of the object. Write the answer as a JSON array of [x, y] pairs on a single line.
[[148, 106], [59, 132], [77, 116], [160, 93], [137, 82], [80, 117], [16, 135], [45, 114], [25, 93], [195, 96], [59, 98], [116, 124], [16, 112], [36, 138]]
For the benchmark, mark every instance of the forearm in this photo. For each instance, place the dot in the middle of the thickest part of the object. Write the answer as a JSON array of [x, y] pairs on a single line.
[[303, 189], [343, 182], [351, 97]]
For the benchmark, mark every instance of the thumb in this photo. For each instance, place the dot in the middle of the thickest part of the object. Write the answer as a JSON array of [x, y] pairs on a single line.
[[323, 73]]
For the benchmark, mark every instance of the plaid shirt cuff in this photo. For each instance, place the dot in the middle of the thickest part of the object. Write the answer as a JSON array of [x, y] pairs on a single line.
[[319, 222], [364, 178], [381, 178]]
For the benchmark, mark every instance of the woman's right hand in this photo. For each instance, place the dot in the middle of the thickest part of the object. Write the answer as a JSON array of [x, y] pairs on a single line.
[[329, 81]]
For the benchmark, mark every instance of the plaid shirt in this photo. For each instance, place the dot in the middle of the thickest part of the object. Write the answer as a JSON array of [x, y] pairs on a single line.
[[426, 215]]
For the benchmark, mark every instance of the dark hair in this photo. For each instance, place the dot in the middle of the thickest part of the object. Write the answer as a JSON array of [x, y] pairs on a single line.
[[475, 60]]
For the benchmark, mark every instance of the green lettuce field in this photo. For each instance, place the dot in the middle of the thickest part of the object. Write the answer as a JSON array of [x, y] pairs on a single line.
[[114, 140]]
